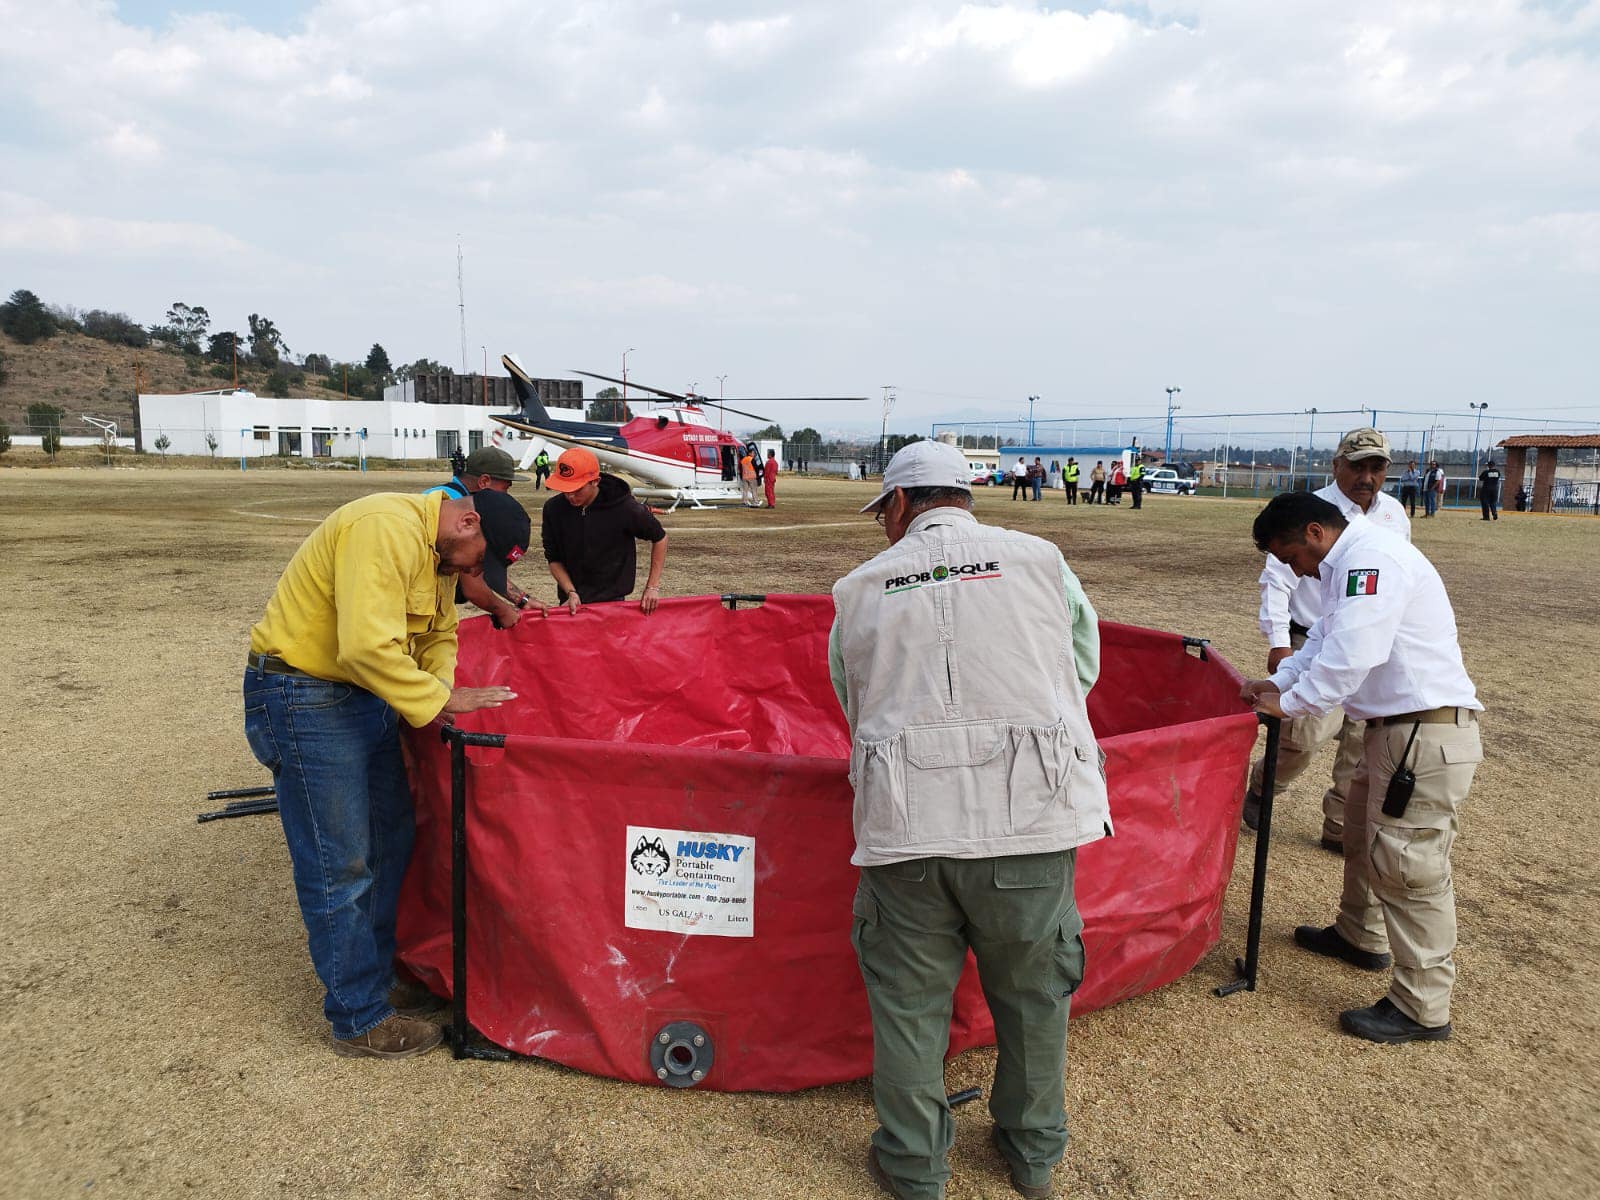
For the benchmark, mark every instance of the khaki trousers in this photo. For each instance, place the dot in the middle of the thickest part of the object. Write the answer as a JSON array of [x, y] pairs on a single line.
[[1399, 896], [1298, 741], [914, 923]]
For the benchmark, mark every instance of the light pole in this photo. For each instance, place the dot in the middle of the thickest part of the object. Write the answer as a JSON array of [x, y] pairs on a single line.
[[1311, 441], [720, 380], [1478, 427], [1032, 400], [1171, 408], [883, 433], [625, 353]]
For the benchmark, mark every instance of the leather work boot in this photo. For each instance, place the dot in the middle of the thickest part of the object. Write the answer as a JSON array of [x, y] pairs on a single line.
[[1332, 845], [1330, 943], [1033, 1191], [411, 999], [883, 1179], [1252, 811], [1383, 1022], [393, 1037]]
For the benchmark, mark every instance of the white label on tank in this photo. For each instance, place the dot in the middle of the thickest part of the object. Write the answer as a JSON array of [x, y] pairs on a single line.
[[686, 881]]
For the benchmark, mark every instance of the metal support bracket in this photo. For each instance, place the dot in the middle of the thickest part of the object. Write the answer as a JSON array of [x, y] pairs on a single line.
[[1245, 967], [732, 599], [465, 1041], [1198, 644], [242, 802]]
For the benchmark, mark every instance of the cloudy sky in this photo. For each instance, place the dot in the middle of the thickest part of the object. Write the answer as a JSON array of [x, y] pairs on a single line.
[[1272, 204]]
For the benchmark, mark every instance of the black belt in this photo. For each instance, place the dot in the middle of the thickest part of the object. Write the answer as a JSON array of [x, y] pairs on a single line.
[[269, 664], [1298, 630], [1428, 716]]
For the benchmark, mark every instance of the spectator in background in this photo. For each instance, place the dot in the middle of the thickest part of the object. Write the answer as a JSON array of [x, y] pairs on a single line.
[[1489, 491], [1036, 477], [1432, 488], [769, 476], [747, 478], [1119, 480], [1019, 479], [1097, 483], [458, 461], [1409, 482]]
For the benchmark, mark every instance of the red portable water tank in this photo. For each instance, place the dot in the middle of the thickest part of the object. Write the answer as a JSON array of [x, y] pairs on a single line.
[[664, 842]]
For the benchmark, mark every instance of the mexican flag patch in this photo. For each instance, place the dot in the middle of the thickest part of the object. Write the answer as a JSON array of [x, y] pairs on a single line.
[[1362, 583]]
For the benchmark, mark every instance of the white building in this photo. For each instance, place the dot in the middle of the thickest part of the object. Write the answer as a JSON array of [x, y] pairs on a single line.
[[250, 426]]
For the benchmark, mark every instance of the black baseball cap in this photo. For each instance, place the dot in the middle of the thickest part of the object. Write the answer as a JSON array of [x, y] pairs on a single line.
[[506, 529]]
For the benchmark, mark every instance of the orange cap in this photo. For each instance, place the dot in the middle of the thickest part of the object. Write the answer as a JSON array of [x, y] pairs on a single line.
[[573, 469]]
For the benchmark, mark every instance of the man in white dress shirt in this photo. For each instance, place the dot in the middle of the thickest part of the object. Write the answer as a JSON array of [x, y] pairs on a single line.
[[1385, 648], [1290, 606]]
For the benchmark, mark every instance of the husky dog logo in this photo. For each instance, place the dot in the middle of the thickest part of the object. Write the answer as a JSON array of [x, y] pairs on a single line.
[[650, 858]]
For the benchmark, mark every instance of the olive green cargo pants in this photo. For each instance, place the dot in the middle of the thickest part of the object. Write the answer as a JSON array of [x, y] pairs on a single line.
[[914, 922]]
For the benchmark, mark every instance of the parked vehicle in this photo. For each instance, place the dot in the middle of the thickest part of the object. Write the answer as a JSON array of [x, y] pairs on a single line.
[[1165, 479]]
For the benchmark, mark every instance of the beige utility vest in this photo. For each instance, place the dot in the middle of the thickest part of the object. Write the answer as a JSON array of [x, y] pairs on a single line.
[[970, 737]]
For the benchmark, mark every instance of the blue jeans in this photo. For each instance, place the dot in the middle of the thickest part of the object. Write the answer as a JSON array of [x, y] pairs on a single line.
[[334, 753], [1430, 502]]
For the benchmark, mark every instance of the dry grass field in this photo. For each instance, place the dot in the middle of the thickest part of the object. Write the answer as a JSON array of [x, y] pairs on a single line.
[[163, 1027]]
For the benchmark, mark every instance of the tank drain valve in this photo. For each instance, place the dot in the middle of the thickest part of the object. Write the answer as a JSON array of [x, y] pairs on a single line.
[[681, 1054]]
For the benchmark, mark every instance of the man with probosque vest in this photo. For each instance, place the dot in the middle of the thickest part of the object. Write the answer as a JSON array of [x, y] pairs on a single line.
[[1070, 478], [1290, 606], [962, 656], [1136, 479]]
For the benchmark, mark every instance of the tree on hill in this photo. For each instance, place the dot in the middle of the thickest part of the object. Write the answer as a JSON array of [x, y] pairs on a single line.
[[806, 437], [378, 361], [220, 347], [266, 343], [319, 364], [25, 317], [118, 328], [185, 327], [423, 366], [773, 432], [607, 406]]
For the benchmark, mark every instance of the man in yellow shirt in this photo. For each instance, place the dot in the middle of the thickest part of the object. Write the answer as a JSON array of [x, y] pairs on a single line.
[[359, 634]]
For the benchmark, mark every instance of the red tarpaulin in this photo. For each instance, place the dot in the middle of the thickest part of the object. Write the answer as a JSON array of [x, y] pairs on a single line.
[[666, 836]]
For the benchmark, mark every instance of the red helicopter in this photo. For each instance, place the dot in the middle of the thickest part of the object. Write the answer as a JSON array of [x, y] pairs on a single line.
[[675, 451]]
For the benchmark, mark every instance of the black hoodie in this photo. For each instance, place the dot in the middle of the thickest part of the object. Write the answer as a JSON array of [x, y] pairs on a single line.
[[596, 544]]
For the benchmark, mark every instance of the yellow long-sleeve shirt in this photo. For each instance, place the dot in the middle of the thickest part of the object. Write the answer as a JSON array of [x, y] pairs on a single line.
[[362, 602]]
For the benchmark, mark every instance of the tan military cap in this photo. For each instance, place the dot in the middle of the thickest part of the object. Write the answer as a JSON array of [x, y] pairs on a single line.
[[1363, 443]]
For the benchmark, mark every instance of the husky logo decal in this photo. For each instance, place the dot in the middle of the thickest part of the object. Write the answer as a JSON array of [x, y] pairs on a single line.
[[650, 858]]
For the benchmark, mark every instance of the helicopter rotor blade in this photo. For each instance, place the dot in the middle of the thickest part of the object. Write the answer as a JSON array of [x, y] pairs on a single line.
[[629, 383]]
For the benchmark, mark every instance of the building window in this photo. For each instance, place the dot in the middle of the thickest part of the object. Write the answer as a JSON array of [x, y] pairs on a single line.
[[474, 440], [322, 443], [445, 442], [289, 442], [263, 433]]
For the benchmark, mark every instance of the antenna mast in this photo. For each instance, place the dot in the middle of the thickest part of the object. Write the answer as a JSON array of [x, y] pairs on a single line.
[[461, 303]]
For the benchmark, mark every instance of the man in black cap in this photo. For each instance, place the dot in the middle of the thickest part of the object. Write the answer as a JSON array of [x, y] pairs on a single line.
[[360, 634], [488, 468]]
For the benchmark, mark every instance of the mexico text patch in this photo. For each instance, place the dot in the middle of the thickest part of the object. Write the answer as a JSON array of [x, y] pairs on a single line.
[[1362, 583]]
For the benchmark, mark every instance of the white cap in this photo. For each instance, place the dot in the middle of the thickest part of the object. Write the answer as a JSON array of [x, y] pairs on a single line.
[[924, 464]]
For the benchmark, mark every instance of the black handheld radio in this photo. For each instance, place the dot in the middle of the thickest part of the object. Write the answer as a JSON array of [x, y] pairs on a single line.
[[1402, 783]]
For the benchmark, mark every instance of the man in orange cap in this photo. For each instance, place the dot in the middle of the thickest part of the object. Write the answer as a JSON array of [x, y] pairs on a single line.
[[589, 528]]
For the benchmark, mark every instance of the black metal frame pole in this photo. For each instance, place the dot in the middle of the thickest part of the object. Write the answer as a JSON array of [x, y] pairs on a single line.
[[269, 789], [464, 1041], [1246, 966]]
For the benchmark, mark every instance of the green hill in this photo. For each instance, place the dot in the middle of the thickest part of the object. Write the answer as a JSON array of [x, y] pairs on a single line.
[[81, 374]]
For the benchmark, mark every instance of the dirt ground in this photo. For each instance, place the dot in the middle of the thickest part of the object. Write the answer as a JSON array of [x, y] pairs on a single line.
[[163, 1023]]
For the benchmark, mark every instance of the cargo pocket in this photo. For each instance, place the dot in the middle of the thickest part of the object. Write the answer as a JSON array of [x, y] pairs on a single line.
[[863, 930], [1041, 761], [258, 732], [1415, 861], [879, 775], [956, 782], [1068, 962]]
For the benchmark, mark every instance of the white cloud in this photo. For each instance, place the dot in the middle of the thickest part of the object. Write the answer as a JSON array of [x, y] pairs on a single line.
[[29, 225], [1221, 187]]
